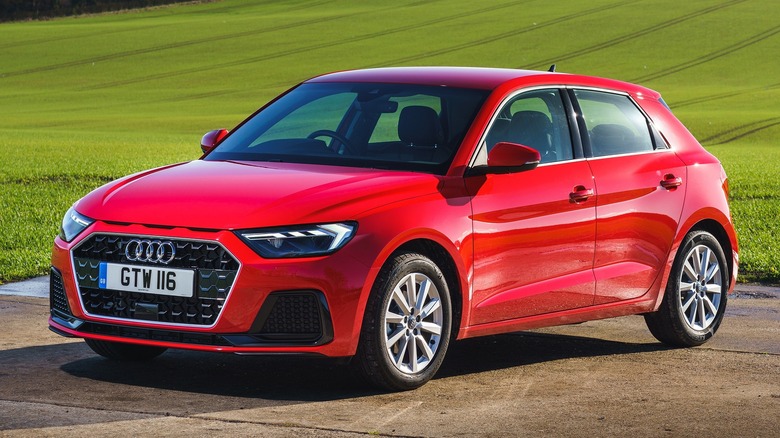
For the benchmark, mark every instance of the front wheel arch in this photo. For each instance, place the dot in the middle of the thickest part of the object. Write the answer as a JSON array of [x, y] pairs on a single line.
[[441, 258], [409, 307]]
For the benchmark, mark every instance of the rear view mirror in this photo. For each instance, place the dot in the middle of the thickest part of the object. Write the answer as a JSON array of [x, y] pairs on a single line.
[[211, 139], [507, 157], [382, 107]]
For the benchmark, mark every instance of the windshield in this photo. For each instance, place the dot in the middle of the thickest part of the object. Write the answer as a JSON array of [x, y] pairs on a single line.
[[387, 126]]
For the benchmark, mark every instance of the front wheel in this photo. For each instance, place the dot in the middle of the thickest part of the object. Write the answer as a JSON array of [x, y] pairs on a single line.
[[695, 299], [406, 327], [124, 352]]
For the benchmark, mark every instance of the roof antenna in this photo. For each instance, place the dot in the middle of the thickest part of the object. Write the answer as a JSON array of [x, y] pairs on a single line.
[[551, 69]]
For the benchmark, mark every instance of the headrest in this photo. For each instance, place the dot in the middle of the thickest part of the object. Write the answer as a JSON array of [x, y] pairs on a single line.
[[419, 125], [531, 128]]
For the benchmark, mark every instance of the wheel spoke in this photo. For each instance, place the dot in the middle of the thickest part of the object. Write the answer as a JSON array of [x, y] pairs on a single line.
[[425, 288], [689, 270], [431, 327], [393, 318], [685, 286], [691, 313], [702, 314], [423, 344], [400, 299], [413, 356], [714, 288], [709, 304], [399, 358], [431, 307], [714, 269], [411, 290], [393, 339], [687, 303], [703, 262], [696, 257]]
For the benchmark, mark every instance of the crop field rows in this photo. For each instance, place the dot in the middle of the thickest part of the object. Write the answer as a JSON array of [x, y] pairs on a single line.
[[88, 99]]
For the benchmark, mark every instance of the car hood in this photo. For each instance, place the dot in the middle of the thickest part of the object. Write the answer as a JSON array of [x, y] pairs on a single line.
[[234, 195]]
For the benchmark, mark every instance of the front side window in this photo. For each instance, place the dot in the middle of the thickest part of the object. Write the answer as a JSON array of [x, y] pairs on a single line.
[[615, 125], [387, 126], [536, 119]]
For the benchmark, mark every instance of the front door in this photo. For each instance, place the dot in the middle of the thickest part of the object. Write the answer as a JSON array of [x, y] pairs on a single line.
[[534, 231]]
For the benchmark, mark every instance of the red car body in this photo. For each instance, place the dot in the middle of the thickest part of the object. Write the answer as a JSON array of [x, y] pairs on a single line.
[[566, 242]]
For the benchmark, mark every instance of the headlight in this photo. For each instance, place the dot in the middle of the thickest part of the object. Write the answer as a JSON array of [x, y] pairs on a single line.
[[73, 224], [299, 241]]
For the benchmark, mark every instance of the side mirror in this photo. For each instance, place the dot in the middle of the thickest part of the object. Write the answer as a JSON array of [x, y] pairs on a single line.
[[211, 139], [507, 157]]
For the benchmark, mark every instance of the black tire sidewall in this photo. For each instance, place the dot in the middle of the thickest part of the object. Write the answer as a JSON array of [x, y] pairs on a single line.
[[400, 266], [690, 336]]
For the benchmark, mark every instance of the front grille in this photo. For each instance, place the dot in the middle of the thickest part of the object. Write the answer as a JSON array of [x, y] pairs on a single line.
[[215, 272], [189, 254], [57, 298]]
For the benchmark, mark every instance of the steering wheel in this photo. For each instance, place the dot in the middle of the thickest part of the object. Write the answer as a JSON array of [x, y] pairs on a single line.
[[335, 135]]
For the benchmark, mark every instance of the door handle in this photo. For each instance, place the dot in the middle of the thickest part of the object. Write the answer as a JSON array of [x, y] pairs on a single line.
[[671, 182], [580, 194]]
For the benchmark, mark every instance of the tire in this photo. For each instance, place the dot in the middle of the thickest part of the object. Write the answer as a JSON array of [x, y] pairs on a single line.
[[695, 298], [403, 344], [124, 352]]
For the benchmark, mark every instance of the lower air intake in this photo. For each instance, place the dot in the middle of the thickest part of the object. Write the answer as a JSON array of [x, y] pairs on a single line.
[[57, 298]]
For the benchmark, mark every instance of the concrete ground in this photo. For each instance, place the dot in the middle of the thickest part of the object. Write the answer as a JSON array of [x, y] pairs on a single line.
[[598, 378]]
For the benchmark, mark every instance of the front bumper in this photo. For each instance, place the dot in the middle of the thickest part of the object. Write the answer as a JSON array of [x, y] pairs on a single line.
[[306, 306]]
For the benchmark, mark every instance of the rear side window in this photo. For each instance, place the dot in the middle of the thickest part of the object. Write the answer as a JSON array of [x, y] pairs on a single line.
[[615, 125]]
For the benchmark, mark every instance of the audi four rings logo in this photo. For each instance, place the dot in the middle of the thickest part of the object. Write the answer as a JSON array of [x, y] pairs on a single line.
[[151, 251]]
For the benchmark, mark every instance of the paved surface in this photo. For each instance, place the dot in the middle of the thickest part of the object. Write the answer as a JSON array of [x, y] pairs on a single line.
[[598, 378], [36, 287]]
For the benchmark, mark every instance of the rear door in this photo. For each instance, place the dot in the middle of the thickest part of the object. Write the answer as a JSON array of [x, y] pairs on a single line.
[[641, 190]]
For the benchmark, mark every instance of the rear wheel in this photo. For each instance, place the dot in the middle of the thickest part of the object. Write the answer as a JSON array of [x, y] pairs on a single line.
[[406, 327], [124, 352], [695, 298]]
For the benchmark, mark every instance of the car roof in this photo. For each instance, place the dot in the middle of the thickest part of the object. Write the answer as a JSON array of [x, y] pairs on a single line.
[[463, 77], [475, 77]]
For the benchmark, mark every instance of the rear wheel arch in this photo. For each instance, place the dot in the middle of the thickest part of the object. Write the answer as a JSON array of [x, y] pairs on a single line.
[[709, 220], [716, 229], [694, 300]]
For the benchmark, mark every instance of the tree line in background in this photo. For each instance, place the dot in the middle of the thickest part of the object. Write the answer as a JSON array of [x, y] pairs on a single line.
[[11, 10]]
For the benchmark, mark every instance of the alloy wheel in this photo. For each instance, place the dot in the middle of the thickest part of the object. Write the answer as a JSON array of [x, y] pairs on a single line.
[[413, 322], [700, 287]]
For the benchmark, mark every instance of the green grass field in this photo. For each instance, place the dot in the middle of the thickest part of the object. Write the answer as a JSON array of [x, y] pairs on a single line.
[[85, 100]]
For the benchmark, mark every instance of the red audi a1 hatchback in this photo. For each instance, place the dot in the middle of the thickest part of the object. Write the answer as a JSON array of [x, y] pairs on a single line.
[[380, 214]]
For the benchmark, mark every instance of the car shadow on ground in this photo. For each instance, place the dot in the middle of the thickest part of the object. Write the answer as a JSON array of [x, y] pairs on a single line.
[[301, 379], [490, 353]]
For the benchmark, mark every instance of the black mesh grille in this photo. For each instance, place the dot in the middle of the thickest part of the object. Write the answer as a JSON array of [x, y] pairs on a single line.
[[57, 297], [215, 271], [293, 314]]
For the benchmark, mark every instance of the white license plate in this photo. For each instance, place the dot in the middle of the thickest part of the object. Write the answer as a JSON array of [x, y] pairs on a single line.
[[146, 279]]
